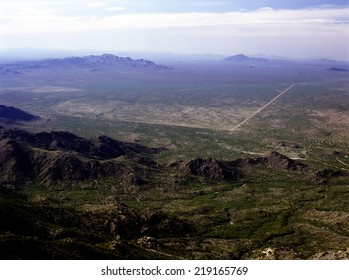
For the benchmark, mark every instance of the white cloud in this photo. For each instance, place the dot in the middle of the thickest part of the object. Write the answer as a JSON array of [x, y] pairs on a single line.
[[207, 32], [112, 9], [30, 20], [266, 9], [96, 4]]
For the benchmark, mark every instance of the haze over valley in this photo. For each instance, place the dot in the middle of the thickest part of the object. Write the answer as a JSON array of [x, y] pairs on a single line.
[[203, 130], [212, 152]]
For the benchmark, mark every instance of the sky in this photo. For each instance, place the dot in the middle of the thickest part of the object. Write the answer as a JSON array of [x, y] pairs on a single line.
[[297, 28]]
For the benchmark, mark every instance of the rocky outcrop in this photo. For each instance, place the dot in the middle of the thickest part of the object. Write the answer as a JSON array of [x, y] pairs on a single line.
[[209, 168], [213, 169], [280, 161], [275, 160]]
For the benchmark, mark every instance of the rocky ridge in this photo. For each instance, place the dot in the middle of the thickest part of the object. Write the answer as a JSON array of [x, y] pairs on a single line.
[[233, 170], [91, 63], [62, 156]]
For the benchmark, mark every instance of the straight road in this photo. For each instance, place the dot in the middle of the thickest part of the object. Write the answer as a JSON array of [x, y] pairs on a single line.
[[260, 109]]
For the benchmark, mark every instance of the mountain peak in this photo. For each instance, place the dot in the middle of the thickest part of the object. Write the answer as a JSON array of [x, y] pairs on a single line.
[[244, 58], [93, 63], [105, 61]]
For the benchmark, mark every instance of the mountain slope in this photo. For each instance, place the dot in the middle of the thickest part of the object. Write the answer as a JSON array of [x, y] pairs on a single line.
[[11, 114], [67, 197], [52, 157], [62, 156]]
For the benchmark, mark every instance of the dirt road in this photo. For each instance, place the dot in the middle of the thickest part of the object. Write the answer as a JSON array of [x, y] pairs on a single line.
[[260, 109]]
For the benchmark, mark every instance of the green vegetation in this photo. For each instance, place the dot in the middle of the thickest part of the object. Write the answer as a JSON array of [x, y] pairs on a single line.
[[271, 212]]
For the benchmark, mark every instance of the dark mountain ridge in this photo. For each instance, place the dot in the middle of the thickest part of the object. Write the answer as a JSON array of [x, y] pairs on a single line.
[[101, 147], [62, 156], [11, 114]]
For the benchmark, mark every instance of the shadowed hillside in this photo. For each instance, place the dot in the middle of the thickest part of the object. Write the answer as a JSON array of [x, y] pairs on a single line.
[[11, 114], [67, 197]]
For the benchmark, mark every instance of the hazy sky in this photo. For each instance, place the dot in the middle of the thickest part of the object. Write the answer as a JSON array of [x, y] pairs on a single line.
[[295, 28]]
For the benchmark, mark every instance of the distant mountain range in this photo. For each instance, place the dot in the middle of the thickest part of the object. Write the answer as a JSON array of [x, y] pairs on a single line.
[[328, 65], [336, 69], [11, 114], [110, 62], [244, 58], [91, 62]]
